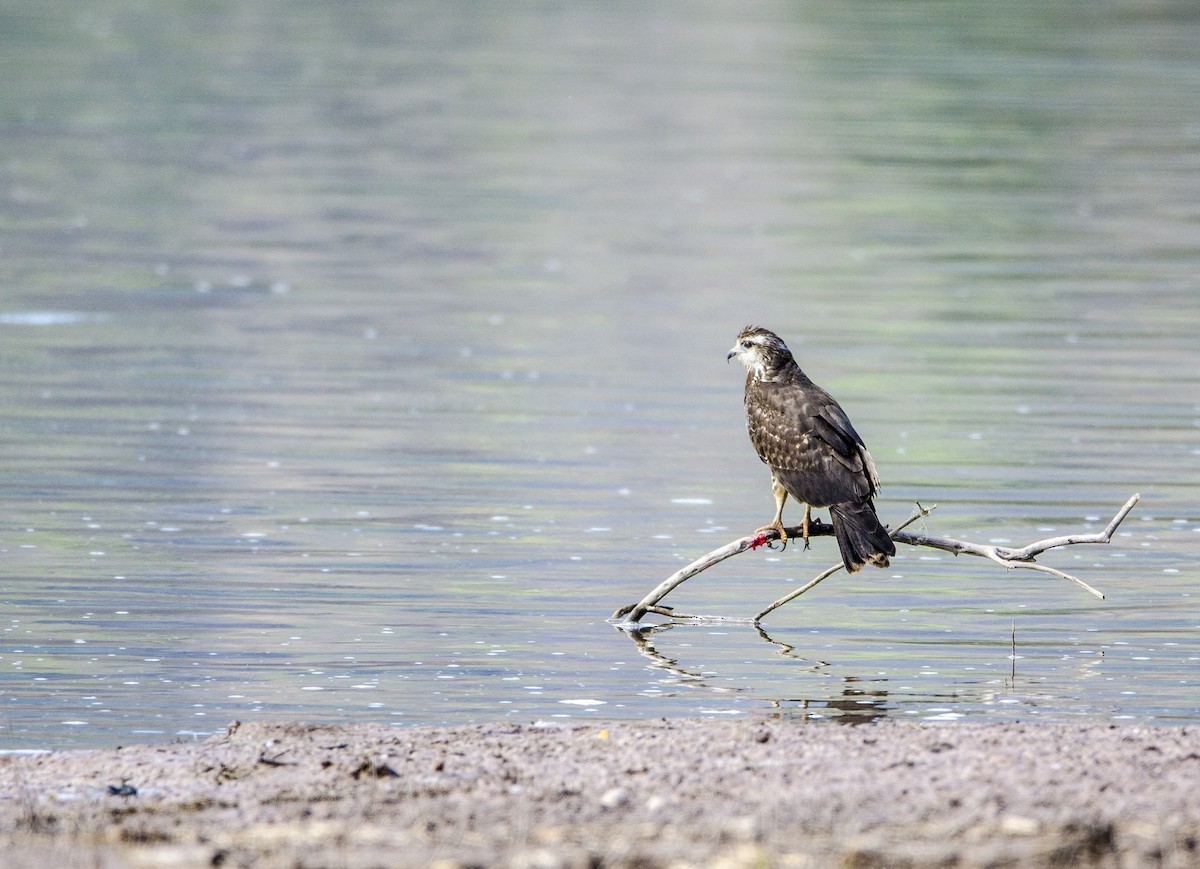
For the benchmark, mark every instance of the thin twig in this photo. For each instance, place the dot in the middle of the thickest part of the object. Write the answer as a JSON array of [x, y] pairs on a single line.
[[1023, 558], [633, 613], [919, 513]]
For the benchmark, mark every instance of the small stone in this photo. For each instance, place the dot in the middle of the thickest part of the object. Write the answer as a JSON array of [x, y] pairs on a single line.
[[614, 798], [1015, 825]]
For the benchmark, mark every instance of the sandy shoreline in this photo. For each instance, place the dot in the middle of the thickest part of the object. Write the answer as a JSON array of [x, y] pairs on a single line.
[[690, 792]]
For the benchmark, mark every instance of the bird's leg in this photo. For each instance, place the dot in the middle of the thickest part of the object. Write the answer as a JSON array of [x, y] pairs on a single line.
[[807, 520], [780, 494]]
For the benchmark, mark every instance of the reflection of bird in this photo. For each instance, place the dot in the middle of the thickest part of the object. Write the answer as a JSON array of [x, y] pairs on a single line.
[[814, 453]]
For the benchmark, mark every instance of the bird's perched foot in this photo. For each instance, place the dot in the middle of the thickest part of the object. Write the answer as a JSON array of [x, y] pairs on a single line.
[[776, 526], [804, 525]]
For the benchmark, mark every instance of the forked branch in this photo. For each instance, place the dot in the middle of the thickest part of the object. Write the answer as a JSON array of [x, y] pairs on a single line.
[[1008, 557]]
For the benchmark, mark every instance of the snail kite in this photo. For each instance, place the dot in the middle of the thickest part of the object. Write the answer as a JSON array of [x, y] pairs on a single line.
[[813, 451]]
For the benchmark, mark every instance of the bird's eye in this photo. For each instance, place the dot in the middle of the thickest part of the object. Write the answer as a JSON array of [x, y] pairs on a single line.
[[746, 344]]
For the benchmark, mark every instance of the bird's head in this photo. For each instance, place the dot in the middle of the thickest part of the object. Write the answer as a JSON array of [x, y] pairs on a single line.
[[761, 351]]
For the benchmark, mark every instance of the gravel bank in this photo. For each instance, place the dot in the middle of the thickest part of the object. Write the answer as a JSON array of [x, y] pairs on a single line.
[[692, 792]]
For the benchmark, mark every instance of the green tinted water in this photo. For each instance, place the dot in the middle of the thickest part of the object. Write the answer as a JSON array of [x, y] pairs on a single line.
[[360, 361]]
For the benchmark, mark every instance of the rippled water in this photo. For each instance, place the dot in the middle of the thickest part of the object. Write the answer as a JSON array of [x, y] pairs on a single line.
[[361, 361]]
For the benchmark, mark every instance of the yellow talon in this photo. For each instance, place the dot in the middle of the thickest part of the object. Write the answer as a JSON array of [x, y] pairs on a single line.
[[777, 527]]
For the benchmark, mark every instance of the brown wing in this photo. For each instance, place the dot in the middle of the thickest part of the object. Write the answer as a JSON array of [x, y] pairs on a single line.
[[803, 434]]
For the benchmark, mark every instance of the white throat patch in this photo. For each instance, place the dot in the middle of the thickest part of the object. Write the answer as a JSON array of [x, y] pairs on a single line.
[[752, 360]]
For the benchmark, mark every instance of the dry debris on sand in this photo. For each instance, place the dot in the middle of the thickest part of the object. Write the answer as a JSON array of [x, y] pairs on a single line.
[[667, 793]]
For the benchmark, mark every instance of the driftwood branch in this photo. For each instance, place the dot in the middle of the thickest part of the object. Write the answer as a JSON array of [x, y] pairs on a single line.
[[1008, 557]]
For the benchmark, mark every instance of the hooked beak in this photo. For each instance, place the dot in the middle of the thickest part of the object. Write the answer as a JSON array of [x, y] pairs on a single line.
[[731, 354]]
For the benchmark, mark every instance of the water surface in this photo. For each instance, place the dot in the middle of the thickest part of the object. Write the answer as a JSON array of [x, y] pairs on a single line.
[[360, 363]]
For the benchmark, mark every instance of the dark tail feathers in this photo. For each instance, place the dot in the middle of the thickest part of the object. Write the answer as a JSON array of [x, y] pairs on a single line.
[[860, 535]]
